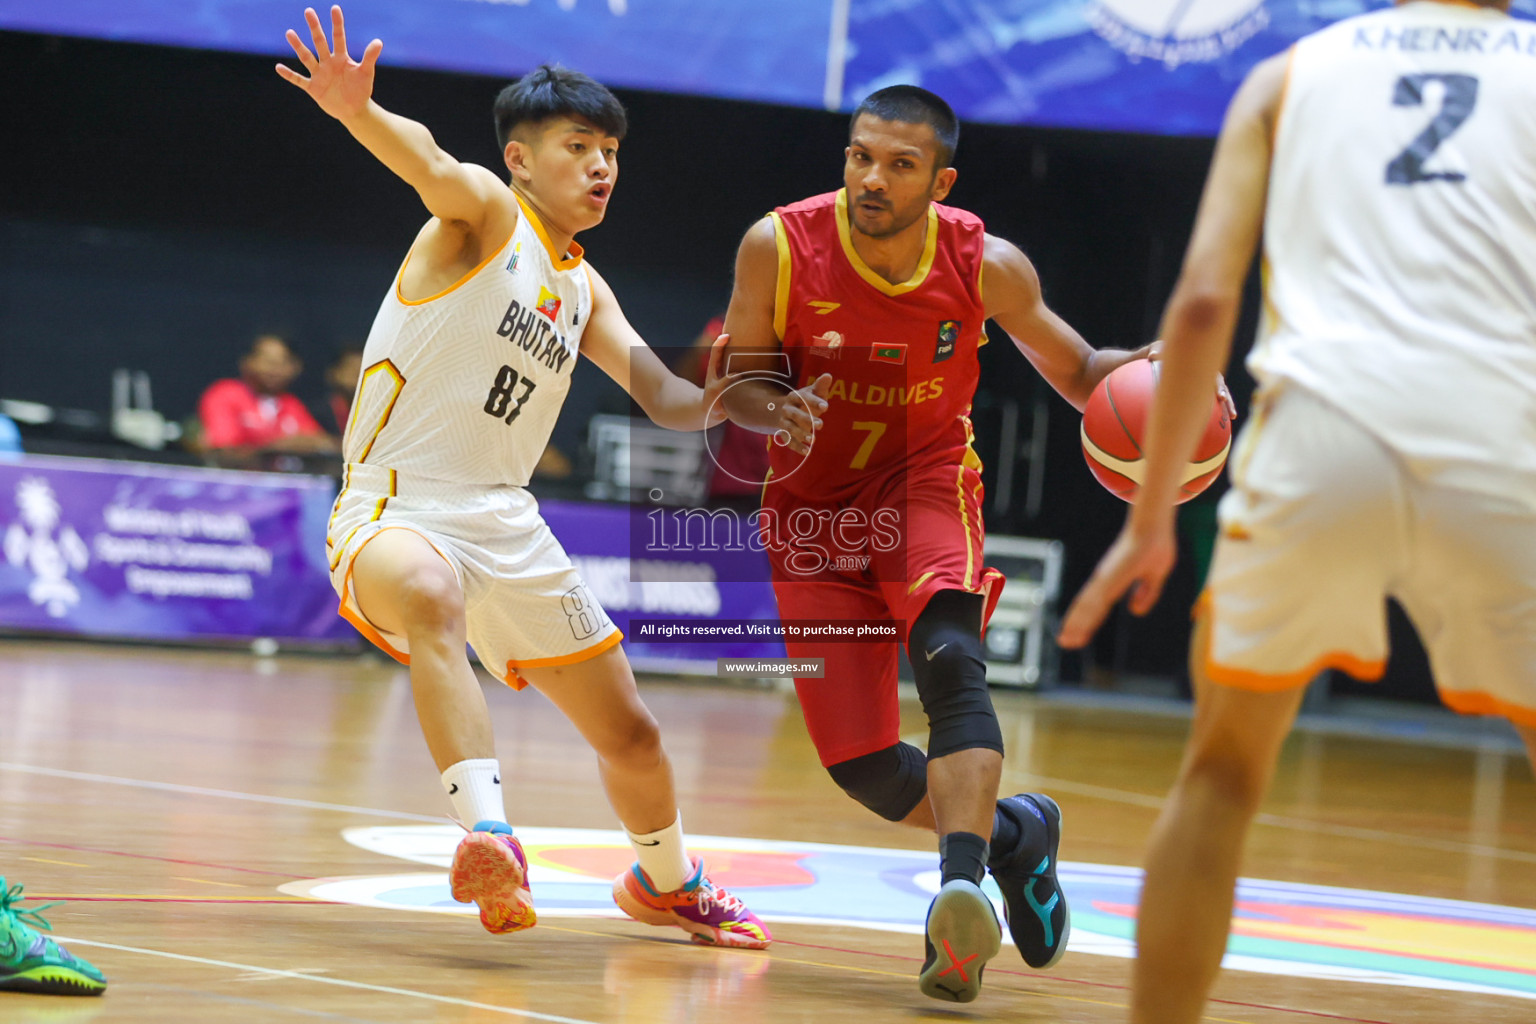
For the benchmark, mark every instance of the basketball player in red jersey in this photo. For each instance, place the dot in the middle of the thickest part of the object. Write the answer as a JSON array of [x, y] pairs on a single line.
[[870, 302]]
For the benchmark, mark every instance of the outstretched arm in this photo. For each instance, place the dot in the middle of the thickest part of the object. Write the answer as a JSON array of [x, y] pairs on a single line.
[[1013, 298], [343, 88], [1197, 339], [620, 352]]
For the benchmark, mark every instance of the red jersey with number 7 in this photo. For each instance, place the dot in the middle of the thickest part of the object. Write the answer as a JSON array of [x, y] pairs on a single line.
[[902, 356]]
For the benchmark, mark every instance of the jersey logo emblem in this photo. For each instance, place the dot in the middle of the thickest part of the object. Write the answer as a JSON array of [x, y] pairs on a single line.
[[517, 254], [549, 303], [949, 333], [888, 354], [823, 308], [828, 346]]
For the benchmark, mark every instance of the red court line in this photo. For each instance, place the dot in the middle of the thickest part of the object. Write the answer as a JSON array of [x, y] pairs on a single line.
[[1035, 976], [268, 902], [146, 856]]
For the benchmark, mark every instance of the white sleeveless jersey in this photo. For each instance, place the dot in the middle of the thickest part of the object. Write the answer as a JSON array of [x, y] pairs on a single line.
[[466, 386], [1400, 237]]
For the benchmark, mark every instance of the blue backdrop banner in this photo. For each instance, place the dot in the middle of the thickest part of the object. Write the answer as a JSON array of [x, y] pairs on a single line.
[[1153, 66]]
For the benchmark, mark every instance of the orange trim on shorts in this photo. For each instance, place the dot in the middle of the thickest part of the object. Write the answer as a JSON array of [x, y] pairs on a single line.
[[361, 624], [517, 682], [1475, 702], [1266, 682]]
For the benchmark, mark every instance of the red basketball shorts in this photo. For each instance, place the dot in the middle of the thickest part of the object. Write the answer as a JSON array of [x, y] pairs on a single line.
[[876, 556]]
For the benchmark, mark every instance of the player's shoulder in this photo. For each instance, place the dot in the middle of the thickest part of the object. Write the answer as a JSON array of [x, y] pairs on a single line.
[[962, 219], [811, 205]]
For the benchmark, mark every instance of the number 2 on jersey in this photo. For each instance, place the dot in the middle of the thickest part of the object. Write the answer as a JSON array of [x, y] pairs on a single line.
[[1460, 97], [500, 398]]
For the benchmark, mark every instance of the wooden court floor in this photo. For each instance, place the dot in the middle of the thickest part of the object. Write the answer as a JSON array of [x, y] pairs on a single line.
[[168, 794]]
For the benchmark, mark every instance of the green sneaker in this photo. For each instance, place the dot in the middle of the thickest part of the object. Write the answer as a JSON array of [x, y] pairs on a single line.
[[31, 962]]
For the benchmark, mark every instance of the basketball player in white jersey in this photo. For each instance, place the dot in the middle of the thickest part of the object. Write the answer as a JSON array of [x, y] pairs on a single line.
[[434, 540], [1390, 161]]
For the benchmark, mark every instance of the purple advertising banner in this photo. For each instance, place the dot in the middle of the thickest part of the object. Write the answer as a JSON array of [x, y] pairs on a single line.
[[151, 552], [700, 583]]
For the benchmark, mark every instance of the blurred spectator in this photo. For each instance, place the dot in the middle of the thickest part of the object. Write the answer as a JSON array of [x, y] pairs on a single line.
[[10, 438], [740, 455], [256, 414], [341, 386]]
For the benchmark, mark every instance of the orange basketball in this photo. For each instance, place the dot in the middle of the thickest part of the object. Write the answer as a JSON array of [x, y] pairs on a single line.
[[1115, 422]]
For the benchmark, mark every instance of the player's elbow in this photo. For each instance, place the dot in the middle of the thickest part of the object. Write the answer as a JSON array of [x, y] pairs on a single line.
[[1198, 308]]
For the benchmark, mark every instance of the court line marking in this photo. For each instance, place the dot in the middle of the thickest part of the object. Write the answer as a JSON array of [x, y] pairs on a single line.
[[228, 794], [145, 856], [1038, 977], [1296, 824], [339, 982], [112, 897]]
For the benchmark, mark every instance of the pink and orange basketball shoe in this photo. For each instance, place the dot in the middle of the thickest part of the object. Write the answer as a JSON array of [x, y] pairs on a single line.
[[707, 912], [489, 869]]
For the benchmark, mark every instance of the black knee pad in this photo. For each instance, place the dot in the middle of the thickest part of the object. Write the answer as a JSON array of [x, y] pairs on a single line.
[[945, 649], [890, 782]]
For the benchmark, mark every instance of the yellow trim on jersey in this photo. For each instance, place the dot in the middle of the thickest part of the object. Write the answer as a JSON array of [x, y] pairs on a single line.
[[930, 247], [400, 278], [1285, 91], [384, 366], [781, 289], [924, 578], [965, 525], [568, 262]]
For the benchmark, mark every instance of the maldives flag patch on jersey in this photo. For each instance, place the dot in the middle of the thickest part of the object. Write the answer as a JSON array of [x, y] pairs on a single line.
[[549, 303], [888, 354]]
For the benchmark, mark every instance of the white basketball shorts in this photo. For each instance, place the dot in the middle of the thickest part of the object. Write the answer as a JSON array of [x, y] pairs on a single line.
[[525, 604], [1323, 523]]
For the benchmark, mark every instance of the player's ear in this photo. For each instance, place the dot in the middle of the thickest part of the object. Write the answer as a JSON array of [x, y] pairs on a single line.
[[943, 182], [516, 158]]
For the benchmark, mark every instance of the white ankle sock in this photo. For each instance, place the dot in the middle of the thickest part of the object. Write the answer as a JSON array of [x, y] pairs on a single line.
[[475, 788], [662, 856]]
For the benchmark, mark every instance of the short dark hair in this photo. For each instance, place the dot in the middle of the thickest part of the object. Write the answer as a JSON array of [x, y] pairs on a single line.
[[912, 105], [550, 90]]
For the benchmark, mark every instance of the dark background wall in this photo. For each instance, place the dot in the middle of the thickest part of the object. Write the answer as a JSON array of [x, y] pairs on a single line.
[[158, 207]]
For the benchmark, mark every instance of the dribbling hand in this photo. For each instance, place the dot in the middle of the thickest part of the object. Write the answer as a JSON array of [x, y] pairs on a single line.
[[340, 85]]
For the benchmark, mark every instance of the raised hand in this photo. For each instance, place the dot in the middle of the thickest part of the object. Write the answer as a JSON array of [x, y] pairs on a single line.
[[340, 85]]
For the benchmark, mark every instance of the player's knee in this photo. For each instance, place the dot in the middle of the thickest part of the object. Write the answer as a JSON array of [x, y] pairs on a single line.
[[432, 599], [633, 743], [890, 782], [950, 670], [1228, 778]]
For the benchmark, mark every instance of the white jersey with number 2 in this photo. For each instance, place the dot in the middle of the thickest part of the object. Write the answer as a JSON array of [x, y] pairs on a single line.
[[465, 386], [1400, 245]]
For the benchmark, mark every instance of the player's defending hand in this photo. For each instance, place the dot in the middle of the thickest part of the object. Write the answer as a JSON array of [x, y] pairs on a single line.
[[800, 415], [715, 383], [1155, 352], [1138, 561], [339, 84]]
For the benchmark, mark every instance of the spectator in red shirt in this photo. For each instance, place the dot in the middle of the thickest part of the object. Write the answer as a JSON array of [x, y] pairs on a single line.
[[341, 380], [256, 413]]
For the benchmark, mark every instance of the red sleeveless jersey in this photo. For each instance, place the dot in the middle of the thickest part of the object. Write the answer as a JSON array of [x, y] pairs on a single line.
[[902, 356]]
